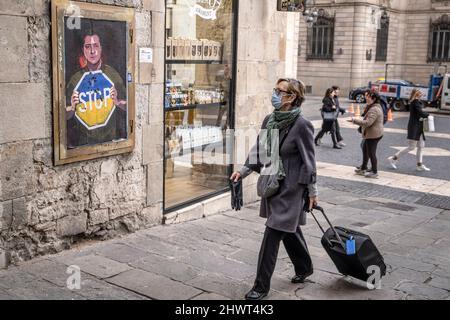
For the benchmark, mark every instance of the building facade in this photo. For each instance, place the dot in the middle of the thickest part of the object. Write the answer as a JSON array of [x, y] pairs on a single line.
[[46, 208], [352, 41]]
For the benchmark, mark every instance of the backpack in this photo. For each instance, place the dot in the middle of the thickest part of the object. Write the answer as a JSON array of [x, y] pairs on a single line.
[[385, 107]]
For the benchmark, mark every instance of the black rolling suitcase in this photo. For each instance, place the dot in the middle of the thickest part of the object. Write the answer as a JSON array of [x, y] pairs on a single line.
[[364, 260]]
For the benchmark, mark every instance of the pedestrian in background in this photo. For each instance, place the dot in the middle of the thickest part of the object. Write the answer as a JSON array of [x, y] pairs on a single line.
[[416, 135], [339, 138], [329, 115], [372, 132], [297, 174], [363, 114]]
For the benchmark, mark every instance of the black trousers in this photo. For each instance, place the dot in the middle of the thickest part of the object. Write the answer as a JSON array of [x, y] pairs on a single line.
[[370, 152], [327, 127], [296, 248], [338, 132]]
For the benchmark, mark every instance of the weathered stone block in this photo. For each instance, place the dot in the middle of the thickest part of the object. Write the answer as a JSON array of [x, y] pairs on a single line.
[[4, 259], [158, 65], [16, 168], [145, 72], [13, 50], [152, 215], [154, 5], [72, 225], [5, 215], [156, 113], [20, 213], [152, 144], [46, 226], [157, 29], [23, 7], [143, 28], [124, 209], [23, 109], [98, 216], [155, 179], [108, 167]]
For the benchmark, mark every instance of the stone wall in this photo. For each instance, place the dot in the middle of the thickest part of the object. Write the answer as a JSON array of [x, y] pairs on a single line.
[[354, 34], [43, 208]]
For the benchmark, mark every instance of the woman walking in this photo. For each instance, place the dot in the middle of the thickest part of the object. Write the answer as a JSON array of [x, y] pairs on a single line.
[[416, 135], [339, 138], [329, 115], [296, 174], [372, 132]]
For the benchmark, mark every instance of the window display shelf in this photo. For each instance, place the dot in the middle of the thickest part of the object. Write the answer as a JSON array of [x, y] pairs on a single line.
[[196, 106], [193, 62], [200, 148]]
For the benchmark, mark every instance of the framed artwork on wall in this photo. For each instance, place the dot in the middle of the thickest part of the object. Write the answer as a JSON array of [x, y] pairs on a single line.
[[93, 54]]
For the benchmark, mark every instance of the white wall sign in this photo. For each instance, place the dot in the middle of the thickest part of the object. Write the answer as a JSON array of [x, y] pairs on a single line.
[[146, 55]]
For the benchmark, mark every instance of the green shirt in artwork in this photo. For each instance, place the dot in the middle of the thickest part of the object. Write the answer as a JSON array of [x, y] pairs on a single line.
[[116, 129]]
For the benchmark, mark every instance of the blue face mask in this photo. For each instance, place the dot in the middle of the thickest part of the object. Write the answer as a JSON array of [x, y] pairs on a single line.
[[276, 101]]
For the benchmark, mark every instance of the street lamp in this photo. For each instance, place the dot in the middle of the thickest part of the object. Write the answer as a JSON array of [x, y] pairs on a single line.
[[311, 13], [384, 17]]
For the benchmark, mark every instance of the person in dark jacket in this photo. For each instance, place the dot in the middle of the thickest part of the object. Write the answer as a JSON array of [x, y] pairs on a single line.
[[339, 138], [297, 177], [328, 125], [416, 135]]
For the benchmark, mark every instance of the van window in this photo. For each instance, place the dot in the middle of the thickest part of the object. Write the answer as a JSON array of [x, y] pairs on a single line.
[[448, 83]]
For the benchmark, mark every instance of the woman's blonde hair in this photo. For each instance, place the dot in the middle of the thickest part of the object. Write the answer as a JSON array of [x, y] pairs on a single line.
[[414, 94], [295, 87]]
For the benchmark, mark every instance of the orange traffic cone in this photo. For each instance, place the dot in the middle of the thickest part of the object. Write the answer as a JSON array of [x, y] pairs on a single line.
[[358, 111], [351, 109], [390, 116]]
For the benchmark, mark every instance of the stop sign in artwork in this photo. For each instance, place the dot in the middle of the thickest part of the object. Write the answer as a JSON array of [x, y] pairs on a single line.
[[96, 104]]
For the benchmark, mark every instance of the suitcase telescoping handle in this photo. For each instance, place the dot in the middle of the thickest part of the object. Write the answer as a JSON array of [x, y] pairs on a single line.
[[331, 226]]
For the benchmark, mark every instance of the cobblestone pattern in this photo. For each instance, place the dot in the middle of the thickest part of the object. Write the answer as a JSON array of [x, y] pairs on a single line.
[[215, 258], [401, 195]]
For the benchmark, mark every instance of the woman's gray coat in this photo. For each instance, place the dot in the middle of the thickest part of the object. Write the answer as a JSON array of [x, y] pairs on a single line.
[[283, 210]]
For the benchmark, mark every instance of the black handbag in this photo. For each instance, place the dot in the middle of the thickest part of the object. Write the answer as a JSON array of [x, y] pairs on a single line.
[[267, 184], [330, 116]]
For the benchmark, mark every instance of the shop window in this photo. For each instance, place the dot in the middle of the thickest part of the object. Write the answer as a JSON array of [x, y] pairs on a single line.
[[320, 38], [199, 95], [382, 39], [439, 42]]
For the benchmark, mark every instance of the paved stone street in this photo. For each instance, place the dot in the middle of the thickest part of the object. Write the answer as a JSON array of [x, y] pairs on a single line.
[[215, 258]]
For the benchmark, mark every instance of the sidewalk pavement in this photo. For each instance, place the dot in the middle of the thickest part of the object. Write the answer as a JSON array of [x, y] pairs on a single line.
[[215, 258]]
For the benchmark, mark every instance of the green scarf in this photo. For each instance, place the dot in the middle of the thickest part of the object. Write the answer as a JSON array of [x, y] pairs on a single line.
[[279, 120]]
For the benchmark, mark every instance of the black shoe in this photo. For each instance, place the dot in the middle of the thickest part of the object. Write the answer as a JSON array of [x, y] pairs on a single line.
[[255, 295], [336, 147], [301, 278]]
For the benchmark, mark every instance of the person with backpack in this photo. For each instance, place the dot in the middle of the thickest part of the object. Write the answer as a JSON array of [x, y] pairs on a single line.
[[416, 135], [339, 138], [329, 115]]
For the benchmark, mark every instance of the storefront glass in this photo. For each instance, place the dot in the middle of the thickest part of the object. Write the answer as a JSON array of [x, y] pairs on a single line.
[[200, 38]]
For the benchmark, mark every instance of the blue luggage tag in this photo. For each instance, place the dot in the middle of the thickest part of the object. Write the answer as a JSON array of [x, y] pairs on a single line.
[[350, 246]]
